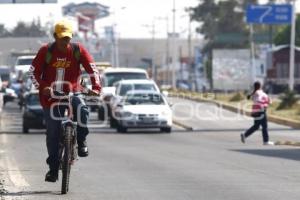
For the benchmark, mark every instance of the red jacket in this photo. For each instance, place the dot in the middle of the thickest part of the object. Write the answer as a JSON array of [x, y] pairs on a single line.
[[63, 72]]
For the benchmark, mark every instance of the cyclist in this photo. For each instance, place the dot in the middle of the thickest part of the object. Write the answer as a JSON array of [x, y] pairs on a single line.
[[62, 73]]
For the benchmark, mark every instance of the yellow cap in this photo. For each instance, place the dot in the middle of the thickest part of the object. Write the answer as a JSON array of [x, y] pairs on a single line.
[[63, 28]]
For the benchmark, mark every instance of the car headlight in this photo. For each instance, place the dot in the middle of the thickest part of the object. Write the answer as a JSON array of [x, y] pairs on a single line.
[[165, 113], [127, 114]]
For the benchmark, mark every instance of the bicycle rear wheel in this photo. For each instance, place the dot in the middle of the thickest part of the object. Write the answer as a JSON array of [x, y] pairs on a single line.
[[67, 156]]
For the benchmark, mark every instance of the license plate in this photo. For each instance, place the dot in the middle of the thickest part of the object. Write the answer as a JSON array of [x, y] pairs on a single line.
[[147, 120]]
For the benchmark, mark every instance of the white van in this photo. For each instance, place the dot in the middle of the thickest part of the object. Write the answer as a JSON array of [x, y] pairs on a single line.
[[23, 63]]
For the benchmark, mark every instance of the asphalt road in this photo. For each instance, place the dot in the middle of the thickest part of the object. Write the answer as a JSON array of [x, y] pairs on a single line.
[[208, 164]]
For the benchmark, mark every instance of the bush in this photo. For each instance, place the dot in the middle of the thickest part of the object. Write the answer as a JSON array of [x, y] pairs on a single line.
[[288, 100], [239, 96]]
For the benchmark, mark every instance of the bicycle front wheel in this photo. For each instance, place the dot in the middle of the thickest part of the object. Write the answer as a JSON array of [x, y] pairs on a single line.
[[67, 156]]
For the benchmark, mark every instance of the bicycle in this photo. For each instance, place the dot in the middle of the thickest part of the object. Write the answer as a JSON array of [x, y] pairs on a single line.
[[68, 140]]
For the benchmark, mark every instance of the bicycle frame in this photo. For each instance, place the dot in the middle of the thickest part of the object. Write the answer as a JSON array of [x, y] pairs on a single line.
[[68, 139], [67, 146]]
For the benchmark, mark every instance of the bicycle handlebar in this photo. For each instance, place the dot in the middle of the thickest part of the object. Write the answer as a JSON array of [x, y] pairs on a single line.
[[64, 95]]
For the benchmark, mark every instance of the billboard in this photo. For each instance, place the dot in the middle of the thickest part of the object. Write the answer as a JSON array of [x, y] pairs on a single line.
[[231, 69]]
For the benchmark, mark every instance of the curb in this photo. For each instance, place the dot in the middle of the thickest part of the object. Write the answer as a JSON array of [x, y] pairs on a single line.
[[289, 143], [279, 120], [188, 128]]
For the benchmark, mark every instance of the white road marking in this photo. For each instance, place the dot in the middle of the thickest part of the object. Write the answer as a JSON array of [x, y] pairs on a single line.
[[14, 173], [4, 138]]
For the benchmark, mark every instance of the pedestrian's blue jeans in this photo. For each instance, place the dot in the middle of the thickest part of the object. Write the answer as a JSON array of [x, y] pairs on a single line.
[[53, 127], [260, 121]]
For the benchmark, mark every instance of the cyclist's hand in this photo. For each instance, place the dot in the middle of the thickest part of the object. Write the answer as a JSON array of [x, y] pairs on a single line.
[[47, 91], [93, 93]]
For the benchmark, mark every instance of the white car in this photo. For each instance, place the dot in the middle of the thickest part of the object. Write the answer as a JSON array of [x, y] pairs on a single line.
[[109, 77], [124, 86], [143, 109]]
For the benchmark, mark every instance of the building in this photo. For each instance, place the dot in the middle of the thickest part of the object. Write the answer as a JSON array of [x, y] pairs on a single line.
[[277, 79]]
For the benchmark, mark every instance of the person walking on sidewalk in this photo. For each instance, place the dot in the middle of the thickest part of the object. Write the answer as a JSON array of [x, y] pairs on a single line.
[[259, 112]]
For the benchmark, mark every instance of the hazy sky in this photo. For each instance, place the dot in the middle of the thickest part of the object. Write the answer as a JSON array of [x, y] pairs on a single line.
[[131, 16]]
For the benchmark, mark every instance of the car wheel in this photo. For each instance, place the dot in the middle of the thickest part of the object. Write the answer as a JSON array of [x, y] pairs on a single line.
[[113, 122], [25, 129], [101, 113], [121, 129], [166, 129]]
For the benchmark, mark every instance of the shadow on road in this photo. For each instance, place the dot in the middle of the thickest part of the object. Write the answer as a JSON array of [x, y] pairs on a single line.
[[27, 193], [290, 154], [241, 130]]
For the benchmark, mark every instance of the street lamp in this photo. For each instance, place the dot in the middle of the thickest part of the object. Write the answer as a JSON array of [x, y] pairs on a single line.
[[153, 70]]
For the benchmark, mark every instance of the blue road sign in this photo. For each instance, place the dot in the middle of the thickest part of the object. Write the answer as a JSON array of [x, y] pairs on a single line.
[[269, 14]]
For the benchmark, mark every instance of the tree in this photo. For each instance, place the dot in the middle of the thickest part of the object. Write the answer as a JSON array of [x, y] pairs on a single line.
[[206, 13], [284, 34], [3, 31], [20, 30], [33, 30], [223, 23]]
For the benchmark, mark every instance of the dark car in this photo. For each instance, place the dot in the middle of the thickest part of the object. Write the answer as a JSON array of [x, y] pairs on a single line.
[[33, 114]]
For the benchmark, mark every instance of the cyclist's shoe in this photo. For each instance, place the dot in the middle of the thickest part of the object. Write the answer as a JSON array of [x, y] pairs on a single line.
[[51, 176], [83, 149]]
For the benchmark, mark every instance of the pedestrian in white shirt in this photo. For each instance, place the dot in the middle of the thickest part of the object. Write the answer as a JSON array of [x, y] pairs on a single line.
[[259, 112]]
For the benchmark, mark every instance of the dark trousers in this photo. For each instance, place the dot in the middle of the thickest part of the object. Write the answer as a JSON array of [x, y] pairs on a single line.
[[53, 126], [260, 120]]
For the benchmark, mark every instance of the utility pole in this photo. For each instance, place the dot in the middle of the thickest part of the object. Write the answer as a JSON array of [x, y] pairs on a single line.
[[174, 47], [153, 52], [292, 48], [152, 32], [166, 60], [252, 53], [191, 77], [167, 51], [116, 36]]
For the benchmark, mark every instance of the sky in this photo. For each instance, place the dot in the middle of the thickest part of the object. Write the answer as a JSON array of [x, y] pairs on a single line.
[[132, 18]]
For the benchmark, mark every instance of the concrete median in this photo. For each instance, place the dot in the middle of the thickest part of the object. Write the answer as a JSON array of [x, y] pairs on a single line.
[[272, 118]]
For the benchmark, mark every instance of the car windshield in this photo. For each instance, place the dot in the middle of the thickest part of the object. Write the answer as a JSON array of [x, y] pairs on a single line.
[[33, 99], [129, 87], [112, 78], [24, 61], [142, 99], [5, 77]]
